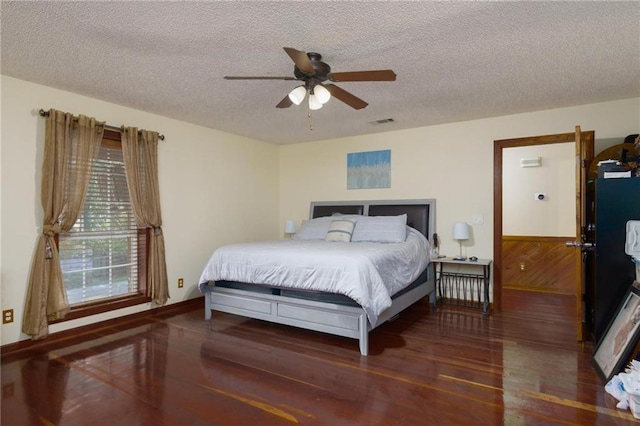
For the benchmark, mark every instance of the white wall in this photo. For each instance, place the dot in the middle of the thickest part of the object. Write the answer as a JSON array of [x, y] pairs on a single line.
[[522, 212], [452, 163], [211, 181], [210, 184]]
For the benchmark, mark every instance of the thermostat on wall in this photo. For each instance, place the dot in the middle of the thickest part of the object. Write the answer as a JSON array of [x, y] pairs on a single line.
[[632, 244]]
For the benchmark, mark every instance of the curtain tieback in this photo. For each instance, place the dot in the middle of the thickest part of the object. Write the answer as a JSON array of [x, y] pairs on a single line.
[[157, 231], [48, 251], [50, 231]]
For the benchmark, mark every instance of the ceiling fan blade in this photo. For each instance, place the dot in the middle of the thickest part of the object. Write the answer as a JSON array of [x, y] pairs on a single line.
[[301, 60], [227, 77], [379, 75], [285, 102], [346, 97]]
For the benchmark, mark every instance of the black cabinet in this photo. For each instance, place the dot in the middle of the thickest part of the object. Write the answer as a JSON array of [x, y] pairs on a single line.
[[617, 201]]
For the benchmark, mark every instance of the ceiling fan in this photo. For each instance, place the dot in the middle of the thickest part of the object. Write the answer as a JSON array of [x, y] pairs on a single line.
[[310, 69]]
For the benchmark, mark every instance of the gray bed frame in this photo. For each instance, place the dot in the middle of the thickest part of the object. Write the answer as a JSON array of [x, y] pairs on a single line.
[[332, 318]]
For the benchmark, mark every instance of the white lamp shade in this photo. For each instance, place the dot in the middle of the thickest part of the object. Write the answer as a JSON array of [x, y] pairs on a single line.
[[321, 93], [314, 104], [290, 227], [460, 231], [297, 95]]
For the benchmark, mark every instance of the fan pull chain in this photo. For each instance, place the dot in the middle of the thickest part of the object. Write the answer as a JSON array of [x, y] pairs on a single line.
[[310, 120]]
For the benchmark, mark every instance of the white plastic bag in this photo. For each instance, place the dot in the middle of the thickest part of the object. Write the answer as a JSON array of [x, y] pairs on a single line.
[[615, 388]]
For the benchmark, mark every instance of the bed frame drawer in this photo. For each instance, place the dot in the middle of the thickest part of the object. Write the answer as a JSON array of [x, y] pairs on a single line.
[[327, 318], [243, 303]]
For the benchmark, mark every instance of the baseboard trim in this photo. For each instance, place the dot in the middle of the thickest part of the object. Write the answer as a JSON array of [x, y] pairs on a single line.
[[54, 339]]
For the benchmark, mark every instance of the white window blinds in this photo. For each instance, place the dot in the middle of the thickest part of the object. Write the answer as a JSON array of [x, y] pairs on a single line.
[[100, 255]]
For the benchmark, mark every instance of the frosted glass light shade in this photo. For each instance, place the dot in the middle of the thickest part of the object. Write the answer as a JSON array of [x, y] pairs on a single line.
[[297, 95], [313, 103], [321, 93], [460, 231], [290, 227]]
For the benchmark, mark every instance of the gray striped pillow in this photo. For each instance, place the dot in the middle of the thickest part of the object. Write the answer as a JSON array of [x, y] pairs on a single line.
[[340, 230]]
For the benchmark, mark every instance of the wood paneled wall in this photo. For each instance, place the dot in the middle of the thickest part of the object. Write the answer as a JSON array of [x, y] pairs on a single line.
[[538, 264]]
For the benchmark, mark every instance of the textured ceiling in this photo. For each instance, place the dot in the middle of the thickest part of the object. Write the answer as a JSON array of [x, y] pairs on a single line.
[[454, 61]]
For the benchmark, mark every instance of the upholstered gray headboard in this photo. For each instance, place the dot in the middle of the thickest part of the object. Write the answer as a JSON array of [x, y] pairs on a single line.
[[421, 214]]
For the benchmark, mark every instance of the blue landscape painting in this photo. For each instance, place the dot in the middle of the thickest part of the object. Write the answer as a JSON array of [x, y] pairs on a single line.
[[370, 169]]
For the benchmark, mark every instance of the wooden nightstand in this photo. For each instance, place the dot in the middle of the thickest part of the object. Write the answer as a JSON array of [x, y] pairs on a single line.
[[467, 285]]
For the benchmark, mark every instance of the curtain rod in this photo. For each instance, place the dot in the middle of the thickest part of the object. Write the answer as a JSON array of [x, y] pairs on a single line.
[[44, 113]]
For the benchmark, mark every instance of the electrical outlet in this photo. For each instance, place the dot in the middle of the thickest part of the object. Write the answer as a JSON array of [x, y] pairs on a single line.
[[180, 282], [523, 267], [7, 316]]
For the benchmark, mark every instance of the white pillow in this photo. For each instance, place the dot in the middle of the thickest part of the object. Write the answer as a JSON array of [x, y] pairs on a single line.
[[381, 229], [340, 230], [314, 229]]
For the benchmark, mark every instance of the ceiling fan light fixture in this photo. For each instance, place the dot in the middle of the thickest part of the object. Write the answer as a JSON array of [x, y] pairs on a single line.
[[309, 69], [297, 95], [314, 104], [321, 93]]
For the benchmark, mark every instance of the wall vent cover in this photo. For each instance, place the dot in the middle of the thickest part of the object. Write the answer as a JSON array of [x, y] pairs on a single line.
[[531, 162], [383, 121]]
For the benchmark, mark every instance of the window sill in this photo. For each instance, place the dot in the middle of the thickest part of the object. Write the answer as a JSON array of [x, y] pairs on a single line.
[[100, 307]]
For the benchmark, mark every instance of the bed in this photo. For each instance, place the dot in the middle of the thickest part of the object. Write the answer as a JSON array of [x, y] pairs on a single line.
[[299, 299]]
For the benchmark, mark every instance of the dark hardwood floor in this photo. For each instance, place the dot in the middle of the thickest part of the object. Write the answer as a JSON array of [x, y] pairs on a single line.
[[521, 366]]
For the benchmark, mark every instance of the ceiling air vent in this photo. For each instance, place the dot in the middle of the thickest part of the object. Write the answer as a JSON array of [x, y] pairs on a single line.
[[383, 121]]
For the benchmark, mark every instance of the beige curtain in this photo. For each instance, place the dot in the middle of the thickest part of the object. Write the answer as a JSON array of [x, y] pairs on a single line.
[[71, 146], [140, 150]]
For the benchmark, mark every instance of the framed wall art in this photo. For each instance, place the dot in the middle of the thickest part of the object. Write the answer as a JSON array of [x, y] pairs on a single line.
[[621, 336], [370, 169]]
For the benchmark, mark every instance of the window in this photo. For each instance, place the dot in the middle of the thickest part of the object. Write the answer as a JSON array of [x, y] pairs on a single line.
[[104, 256]]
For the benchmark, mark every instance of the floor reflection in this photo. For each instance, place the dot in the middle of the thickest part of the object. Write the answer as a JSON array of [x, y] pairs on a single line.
[[45, 383], [65, 382]]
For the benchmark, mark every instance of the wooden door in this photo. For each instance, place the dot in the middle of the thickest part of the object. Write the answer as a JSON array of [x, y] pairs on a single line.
[[584, 224], [584, 152]]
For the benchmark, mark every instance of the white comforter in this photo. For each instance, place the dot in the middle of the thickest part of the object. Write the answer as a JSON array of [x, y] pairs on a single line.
[[368, 273]]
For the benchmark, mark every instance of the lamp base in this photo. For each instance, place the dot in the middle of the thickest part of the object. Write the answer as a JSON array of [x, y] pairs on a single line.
[[460, 256]]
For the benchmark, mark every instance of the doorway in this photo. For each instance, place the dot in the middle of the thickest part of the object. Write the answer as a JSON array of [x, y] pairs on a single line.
[[550, 267]]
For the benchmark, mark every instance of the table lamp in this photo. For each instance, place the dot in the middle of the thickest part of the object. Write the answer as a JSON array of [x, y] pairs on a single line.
[[290, 227], [460, 233]]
